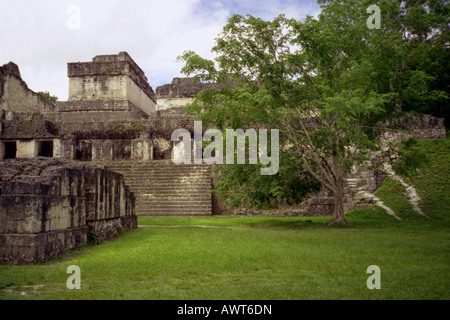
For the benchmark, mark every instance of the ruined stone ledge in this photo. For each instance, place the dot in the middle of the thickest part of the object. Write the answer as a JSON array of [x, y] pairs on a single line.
[[94, 117], [96, 111], [95, 105], [27, 126], [45, 204], [414, 126], [183, 88], [129, 222], [10, 69], [38, 248], [18, 97], [105, 229]]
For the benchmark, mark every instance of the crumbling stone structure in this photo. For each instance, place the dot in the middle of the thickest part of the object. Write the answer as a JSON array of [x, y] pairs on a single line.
[[15, 96], [180, 92], [110, 122], [114, 120], [415, 126], [50, 206]]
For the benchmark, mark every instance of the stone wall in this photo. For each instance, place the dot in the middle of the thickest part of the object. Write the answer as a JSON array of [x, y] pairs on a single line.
[[109, 203], [180, 92], [15, 96], [414, 126], [49, 206]]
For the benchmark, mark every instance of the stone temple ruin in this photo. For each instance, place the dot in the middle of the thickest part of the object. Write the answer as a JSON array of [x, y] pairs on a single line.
[[87, 167]]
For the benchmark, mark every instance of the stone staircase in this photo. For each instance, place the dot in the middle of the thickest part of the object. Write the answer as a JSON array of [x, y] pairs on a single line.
[[162, 188], [1, 177], [359, 186]]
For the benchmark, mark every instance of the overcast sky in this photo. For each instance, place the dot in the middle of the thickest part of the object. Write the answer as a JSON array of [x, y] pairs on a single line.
[[42, 36]]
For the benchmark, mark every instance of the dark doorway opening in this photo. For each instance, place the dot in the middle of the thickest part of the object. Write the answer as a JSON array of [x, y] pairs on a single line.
[[10, 150], [84, 151], [45, 149]]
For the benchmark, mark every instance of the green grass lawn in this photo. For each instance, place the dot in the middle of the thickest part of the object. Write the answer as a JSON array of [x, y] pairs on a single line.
[[259, 258]]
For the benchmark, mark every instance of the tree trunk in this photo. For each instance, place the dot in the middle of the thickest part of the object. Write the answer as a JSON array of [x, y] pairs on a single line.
[[339, 213]]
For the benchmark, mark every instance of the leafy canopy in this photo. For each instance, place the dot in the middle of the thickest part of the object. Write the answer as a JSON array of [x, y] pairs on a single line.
[[325, 83]]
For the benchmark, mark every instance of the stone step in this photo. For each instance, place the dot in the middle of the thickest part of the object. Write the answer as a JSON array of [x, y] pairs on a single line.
[[161, 179], [171, 183], [172, 208], [184, 199], [160, 210], [151, 177], [173, 214], [175, 168], [179, 195], [153, 163], [171, 186], [163, 188], [161, 194], [165, 193], [143, 175], [179, 168], [174, 186], [146, 207], [168, 212], [166, 172]]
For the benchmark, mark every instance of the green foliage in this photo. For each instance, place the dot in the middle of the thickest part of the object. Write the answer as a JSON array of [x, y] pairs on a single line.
[[334, 71], [52, 127], [134, 125], [432, 180], [394, 196], [410, 158], [411, 48], [48, 97], [105, 70], [243, 186], [92, 238]]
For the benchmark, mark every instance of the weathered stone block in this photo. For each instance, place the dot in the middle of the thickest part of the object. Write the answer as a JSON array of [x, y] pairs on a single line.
[[49, 205]]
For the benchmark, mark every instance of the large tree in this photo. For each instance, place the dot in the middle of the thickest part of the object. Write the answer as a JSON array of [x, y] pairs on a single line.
[[324, 83]]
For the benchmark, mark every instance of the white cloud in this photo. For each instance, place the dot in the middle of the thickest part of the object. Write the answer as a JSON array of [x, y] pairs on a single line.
[[34, 34]]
